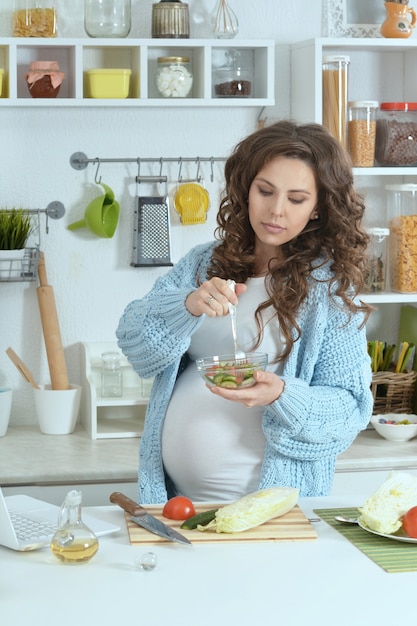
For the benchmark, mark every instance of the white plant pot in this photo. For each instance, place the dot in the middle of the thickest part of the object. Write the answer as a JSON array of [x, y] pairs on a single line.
[[5, 409], [57, 409], [11, 263]]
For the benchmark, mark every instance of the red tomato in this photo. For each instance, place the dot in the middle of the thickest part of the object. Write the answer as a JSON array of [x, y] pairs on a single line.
[[178, 508], [410, 522]]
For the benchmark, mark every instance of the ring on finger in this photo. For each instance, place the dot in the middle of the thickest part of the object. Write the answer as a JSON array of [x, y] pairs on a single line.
[[209, 299]]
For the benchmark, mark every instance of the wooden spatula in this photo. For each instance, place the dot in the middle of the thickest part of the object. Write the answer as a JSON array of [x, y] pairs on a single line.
[[23, 369]]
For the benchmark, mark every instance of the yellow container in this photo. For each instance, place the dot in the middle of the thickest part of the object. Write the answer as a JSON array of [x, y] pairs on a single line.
[[1, 81], [108, 83]]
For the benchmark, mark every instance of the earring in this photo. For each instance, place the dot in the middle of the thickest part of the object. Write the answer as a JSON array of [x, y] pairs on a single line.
[[316, 216]]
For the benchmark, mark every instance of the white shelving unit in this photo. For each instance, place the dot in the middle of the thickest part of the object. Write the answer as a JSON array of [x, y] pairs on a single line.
[[107, 418], [75, 56], [379, 69]]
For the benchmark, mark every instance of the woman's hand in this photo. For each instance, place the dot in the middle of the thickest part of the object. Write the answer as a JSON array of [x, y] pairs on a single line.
[[213, 298], [268, 388]]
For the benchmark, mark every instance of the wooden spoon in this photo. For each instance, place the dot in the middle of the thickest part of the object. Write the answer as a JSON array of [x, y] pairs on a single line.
[[23, 369]]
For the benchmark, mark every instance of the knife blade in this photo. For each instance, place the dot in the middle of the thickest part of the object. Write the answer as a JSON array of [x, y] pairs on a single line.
[[141, 517]]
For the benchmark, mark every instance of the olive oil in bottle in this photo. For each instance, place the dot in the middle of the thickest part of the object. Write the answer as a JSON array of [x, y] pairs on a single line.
[[73, 542]]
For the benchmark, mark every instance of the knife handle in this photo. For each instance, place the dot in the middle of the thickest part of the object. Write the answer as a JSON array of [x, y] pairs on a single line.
[[128, 505]]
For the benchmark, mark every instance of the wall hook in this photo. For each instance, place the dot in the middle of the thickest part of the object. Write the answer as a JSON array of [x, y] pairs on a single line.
[[180, 170], [97, 180], [197, 176]]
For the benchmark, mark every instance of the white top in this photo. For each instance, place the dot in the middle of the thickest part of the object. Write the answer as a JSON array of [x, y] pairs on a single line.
[[208, 441]]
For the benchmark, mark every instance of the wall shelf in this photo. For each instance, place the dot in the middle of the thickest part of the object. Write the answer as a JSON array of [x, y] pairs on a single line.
[[380, 69], [76, 56]]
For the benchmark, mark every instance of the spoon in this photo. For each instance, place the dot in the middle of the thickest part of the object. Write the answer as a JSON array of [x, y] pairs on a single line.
[[346, 520], [239, 354]]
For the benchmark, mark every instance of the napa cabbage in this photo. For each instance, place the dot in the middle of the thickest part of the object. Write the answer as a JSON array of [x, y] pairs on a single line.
[[253, 510], [384, 509]]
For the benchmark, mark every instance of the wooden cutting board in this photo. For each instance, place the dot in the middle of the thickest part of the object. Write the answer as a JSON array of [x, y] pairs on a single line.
[[293, 526]]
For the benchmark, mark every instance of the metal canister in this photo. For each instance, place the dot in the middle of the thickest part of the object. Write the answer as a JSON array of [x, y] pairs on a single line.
[[170, 20]]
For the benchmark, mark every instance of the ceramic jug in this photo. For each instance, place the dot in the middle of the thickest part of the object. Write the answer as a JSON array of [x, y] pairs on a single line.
[[400, 20]]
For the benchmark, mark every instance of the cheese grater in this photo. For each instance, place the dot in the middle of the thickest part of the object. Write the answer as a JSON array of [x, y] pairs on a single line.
[[152, 240]]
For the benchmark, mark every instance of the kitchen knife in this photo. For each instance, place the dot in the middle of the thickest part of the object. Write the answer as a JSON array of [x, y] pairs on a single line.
[[142, 518]]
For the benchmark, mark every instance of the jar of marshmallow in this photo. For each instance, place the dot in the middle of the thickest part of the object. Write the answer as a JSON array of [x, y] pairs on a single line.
[[174, 78]]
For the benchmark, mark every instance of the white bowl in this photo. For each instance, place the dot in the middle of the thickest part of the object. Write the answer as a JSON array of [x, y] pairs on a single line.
[[394, 430]]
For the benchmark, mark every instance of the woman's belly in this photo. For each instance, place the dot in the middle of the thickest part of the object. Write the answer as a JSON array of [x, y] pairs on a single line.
[[212, 448]]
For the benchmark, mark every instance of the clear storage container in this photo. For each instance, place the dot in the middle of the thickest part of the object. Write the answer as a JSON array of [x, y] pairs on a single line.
[[402, 221], [174, 78], [362, 132], [111, 375], [396, 134], [335, 96], [377, 259], [34, 18], [234, 78], [107, 18]]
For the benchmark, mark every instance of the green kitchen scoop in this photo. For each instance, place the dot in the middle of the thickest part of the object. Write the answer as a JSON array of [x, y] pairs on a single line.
[[101, 215]]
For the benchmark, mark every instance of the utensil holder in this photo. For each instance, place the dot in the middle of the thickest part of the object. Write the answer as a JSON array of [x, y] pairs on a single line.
[[393, 392]]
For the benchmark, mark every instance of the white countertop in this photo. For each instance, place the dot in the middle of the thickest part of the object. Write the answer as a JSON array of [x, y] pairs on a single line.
[[326, 581], [27, 457]]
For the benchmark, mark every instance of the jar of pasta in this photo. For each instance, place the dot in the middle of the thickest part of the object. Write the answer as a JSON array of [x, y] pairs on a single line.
[[34, 18], [402, 221], [362, 132], [335, 96]]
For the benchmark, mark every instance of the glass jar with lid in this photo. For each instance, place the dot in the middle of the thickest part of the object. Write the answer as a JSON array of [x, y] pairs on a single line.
[[402, 221], [174, 78], [396, 134], [377, 259], [362, 132], [44, 79], [107, 18], [234, 78], [34, 18], [335, 96], [111, 375]]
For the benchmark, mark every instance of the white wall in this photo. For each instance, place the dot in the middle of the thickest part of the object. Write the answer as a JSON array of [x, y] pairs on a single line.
[[92, 277]]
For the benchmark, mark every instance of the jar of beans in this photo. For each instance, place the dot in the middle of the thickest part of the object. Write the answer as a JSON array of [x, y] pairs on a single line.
[[396, 134], [234, 79], [362, 132]]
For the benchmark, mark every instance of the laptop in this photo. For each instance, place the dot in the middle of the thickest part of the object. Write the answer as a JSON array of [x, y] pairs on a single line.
[[28, 524]]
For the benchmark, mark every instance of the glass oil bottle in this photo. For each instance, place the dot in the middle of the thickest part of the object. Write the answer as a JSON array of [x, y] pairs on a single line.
[[73, 542]]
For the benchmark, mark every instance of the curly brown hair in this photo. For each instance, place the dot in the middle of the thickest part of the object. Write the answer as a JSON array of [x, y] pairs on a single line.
[[337, 236]]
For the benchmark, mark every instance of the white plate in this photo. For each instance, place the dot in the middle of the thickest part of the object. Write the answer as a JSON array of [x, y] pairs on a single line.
[[402, 538]]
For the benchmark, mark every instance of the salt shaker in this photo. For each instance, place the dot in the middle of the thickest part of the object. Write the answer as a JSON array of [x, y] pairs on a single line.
[[111, 375]]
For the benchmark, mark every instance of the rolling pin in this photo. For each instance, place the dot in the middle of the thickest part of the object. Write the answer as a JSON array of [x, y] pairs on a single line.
[[51, 331]]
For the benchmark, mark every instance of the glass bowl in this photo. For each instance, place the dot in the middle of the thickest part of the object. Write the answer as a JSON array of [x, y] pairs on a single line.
[[231, 373], [395, 427]]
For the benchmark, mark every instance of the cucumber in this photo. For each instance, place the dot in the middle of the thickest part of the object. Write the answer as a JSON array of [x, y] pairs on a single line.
[[201, 519]]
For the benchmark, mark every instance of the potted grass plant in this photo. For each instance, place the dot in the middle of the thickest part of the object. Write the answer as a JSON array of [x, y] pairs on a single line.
[[15, 229]]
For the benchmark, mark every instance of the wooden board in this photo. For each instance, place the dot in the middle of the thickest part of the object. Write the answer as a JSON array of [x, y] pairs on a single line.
[[293, 526]]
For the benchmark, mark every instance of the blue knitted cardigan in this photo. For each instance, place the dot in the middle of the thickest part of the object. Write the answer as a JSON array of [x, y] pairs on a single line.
[[325, 403]]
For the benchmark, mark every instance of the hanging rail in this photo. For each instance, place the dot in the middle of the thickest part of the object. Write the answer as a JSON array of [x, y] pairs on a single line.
[[79, 160]]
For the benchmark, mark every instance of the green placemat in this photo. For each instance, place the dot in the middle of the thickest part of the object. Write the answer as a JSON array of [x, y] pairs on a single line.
[[392, 556]]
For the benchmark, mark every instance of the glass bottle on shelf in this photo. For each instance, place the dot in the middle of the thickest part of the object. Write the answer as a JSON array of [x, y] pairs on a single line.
[[111, 375], [73, 541], [224, 23], [34, 18], [107, 18]]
